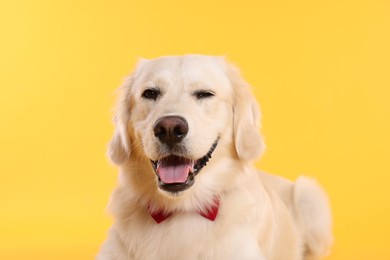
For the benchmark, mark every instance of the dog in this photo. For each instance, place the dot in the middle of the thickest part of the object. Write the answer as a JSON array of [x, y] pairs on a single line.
[[186, 134]]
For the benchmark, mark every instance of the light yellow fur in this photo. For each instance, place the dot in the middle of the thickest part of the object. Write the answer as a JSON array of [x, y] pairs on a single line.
[[261, 216]]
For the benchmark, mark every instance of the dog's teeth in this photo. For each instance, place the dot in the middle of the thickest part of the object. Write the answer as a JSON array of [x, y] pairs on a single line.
[[154, 163]]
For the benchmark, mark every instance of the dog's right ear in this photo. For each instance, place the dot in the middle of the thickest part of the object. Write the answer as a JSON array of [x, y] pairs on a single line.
[[120, 145]]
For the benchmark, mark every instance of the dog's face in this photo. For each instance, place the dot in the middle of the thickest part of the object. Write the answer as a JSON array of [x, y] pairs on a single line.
[[178, 112]]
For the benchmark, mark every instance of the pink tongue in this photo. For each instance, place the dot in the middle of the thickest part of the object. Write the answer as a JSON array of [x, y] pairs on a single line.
[[174, 173]]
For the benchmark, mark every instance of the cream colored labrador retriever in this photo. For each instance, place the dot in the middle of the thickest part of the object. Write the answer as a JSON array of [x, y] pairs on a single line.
[[186, 135]]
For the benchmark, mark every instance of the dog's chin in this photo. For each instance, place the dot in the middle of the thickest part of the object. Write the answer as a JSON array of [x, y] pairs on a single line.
[[176, 173]]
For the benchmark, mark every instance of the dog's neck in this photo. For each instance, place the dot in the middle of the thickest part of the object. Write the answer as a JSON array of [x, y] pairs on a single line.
[[210, 213]]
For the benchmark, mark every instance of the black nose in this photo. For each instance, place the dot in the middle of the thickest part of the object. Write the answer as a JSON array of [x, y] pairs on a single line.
[[170, 129]]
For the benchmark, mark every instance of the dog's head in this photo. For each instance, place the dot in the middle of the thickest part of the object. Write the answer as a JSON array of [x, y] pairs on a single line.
[[181, 114]]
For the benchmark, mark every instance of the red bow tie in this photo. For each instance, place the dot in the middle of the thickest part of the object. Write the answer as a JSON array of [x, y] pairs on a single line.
[[211, 213]]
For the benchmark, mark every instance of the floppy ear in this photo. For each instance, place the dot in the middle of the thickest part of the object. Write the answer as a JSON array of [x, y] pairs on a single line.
[[120, 146], [246, 119]]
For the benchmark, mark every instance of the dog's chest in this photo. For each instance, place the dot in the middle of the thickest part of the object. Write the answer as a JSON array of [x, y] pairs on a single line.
[[191, 236]]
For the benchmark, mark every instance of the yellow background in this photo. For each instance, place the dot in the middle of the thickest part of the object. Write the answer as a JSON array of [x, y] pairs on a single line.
[[321, 70]]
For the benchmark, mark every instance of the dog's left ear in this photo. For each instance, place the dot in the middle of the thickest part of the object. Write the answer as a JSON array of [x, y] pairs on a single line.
[[246, 118]]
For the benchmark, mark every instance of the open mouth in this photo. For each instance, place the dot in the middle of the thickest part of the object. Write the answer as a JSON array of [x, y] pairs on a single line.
[[177, 173]]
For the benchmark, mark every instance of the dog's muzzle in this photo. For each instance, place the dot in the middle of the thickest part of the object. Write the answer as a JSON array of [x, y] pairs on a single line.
[[175, 172]]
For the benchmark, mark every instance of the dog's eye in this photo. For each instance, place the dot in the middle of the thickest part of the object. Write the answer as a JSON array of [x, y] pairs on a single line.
[[201, 94], [151, 93]]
